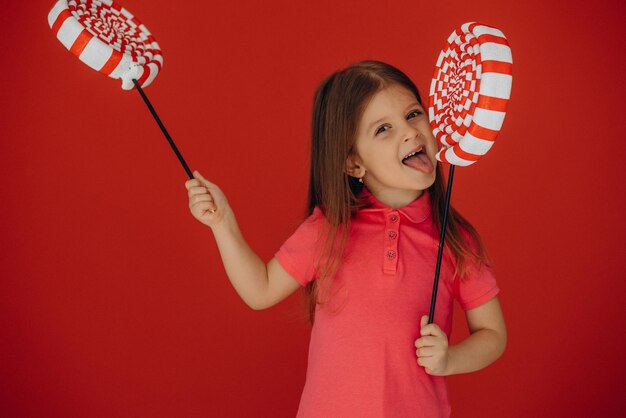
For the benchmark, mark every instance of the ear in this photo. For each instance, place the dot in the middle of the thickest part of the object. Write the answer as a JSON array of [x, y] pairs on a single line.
[[354, 166]]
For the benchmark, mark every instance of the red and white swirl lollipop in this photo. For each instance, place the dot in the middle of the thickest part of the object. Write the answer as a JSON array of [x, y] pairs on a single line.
[[469, 92], [108, 38]]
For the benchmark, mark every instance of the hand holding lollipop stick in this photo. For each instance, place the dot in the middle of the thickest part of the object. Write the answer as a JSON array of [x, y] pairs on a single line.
[[469, 92], [109, 39]]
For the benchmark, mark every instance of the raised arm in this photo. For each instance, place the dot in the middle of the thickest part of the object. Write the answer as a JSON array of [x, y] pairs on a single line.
[[259, 285]]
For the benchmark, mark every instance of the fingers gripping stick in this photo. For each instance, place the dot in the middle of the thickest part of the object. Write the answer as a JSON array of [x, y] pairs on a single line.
[[205, 198]]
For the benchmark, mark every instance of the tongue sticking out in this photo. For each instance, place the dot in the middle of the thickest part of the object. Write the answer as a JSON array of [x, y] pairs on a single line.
[[420, 162]]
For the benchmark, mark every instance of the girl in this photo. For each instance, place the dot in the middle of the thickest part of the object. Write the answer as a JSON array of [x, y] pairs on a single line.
[[366, 256]]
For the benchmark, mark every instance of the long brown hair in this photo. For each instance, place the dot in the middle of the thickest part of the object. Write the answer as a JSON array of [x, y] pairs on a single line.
[[338, 105]]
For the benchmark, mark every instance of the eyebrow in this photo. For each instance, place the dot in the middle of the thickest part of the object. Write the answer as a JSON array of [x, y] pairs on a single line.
[[386, 117]]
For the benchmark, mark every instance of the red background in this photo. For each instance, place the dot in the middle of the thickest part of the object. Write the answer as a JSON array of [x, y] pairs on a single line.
[[113, 298]]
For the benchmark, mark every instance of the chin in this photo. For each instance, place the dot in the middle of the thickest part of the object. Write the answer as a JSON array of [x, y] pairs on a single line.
[[428, 182]]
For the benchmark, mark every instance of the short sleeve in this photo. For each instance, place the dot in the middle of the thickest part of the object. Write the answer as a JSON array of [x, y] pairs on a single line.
[[477, 287], [299, 253], [479, 284]]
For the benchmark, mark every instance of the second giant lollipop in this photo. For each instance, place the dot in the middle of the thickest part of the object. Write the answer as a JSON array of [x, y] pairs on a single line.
[[469, 93], [109, 39]]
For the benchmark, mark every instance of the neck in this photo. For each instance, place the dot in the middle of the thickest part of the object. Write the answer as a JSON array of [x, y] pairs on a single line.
[[396, 198]]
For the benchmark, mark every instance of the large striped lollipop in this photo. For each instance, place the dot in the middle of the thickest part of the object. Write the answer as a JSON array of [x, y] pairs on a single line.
[[469, 93], [111, 40], [108, 38]]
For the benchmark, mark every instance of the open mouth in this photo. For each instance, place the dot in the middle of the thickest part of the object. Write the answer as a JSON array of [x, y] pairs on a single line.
[[413, 153], [418, 160]]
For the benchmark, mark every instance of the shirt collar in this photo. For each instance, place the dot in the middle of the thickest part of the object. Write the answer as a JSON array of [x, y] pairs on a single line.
[[416, 211]]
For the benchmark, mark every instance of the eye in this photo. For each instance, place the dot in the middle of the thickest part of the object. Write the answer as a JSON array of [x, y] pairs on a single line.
[[413, 114], [380, 129]]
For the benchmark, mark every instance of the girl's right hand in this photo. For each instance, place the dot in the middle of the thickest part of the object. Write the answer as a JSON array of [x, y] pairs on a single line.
[[207, 202]]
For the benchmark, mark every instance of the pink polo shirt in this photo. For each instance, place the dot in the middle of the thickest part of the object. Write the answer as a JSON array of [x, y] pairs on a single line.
[[362, 360]]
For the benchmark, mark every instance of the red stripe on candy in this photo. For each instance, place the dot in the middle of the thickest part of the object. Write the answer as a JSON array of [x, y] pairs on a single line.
[[481, 132], [60, 20], [492, 38], [465, 155], [497, 67], [442, 156], [492, 103], [144, 76], [111, 63], [81, 42]]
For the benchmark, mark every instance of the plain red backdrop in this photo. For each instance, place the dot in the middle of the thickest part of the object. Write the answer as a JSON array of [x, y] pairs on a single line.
[[113, 298]]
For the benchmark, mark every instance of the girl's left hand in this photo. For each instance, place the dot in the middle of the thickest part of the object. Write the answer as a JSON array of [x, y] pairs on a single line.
[[432, 348]]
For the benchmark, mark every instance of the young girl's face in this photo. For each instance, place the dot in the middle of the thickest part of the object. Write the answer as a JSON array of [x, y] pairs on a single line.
[[393, 127]]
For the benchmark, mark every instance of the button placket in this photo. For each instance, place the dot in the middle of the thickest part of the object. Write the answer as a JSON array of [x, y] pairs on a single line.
[[390, 250]]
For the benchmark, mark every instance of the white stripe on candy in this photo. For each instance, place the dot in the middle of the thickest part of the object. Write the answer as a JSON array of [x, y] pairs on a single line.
[[54, 13], [473, 145], [490, 51], [496, 85], [489, 119], [96, 54], [69, 31]]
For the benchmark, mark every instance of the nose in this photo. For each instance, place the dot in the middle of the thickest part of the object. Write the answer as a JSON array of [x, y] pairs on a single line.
[[410, 132]]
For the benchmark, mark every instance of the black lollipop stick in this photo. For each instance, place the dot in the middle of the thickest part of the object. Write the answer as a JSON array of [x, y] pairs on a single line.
[[442, 237], [167, 136]]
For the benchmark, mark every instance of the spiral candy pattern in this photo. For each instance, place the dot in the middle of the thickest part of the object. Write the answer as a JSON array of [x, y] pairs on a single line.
[[108, 38], [469, 92]]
